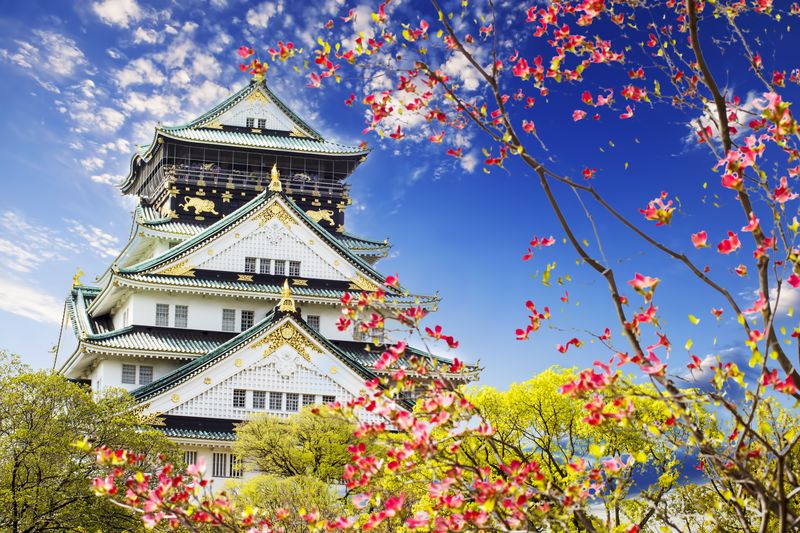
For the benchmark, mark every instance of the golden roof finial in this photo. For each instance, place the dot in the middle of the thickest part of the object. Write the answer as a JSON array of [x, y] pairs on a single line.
[[287, 302], [275, 182], [76, 279]]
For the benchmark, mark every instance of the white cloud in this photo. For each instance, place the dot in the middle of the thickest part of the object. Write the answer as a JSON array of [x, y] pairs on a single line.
[[113, 53], [260, 15], [106, 179], [157, 105], [219, 4], [180, 78], [746, 112], [118, 12], [138, 72], [469, 162], [29, 302], [103, 243], [24, 246], [206, 94], [48, 56], [205, 65], [147, 36], [92, 163]]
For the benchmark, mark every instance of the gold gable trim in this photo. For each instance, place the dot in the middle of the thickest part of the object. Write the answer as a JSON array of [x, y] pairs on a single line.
[[286, 334], [275, 210], [178, 269]]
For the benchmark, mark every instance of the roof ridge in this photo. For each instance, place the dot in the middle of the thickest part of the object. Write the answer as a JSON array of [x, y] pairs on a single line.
[[146, 390], [240, 213]]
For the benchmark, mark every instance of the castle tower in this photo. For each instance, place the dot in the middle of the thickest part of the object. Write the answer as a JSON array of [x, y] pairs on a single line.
[[224, 301]]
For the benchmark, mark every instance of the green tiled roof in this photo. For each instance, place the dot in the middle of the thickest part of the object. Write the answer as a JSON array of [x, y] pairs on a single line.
[[261, 140], [196, 434], [238, 96], [271, 289], [224, 223], [207, 360], [361, 244], [314, 143], [142, 338]]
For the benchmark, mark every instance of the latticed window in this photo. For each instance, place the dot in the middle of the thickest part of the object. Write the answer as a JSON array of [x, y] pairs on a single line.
[[328, 399], [309, 399], [162, 314], [181, 316], [259, 399], [376, 335], [235, 466], [190, 457], [248, 318], [262, 123], [239, 398], [250, 264], [275, 401], [294, 268], [292, 401], [313, 321], [280, 267], [250, 122], [129, 374], [145, 375], [229, 320], [263, 266], [219, 465]]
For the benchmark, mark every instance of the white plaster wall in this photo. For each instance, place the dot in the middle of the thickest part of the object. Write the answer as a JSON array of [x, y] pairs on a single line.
[[108, 372], [272, 241], [283, 371], [205, 312]]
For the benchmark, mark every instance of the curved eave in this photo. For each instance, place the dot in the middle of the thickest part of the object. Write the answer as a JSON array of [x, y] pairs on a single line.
[[176, 136], [241, 289], [230, 222]]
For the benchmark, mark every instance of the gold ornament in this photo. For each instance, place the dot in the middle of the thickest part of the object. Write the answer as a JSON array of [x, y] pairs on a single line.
[[287, 334], [178, 269], [286, 304], [275, 181]]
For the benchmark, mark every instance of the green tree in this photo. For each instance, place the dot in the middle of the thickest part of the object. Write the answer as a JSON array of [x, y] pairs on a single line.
[[45, 479], [302, 445]]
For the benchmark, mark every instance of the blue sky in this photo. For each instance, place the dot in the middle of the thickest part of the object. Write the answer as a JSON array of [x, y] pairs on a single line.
[[84, 82]]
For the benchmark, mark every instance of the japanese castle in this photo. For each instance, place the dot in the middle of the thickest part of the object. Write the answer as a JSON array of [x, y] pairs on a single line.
[[225, 300]]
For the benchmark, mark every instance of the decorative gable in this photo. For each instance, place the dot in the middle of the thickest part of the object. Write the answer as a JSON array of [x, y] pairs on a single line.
[[283, 358], [273, 231], [264, 113], [283, 372], [273, 241]]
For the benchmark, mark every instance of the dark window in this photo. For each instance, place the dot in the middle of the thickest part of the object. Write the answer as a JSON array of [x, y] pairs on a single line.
[[247, 319], [129, 374], [328, 399], [250, 264], [181, 316], [236, 466], [309, 399], [294, 268], [189, 458], [292, 401], [280, 267], [275, 401], [162, 315], [220, 465], [262, 123], [313, 321], [228, 319], [239, 398], [259, 399], [250, 122], [145, 375], [263, 267]]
